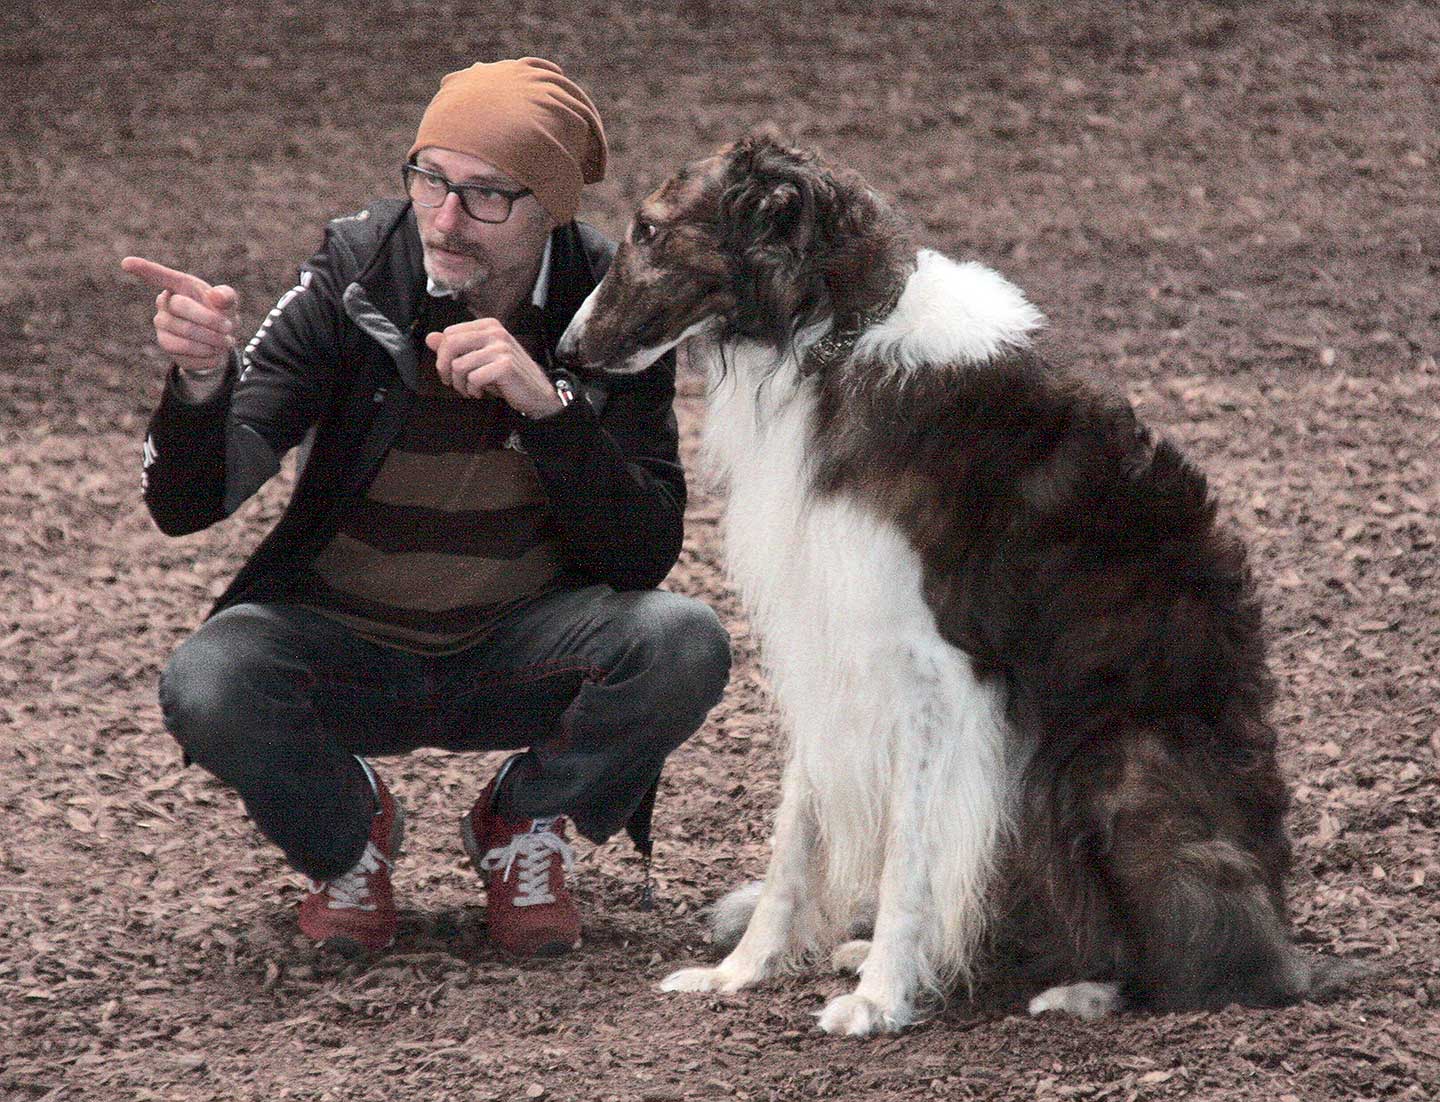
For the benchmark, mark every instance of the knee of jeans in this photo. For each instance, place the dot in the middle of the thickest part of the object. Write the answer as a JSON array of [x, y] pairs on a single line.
[[691, 647], [205, 697]]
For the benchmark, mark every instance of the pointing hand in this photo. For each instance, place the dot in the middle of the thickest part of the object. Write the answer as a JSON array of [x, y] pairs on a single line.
[[194, 321]]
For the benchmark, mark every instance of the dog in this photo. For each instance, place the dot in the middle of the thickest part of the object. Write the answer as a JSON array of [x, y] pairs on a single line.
[[1021, 665]]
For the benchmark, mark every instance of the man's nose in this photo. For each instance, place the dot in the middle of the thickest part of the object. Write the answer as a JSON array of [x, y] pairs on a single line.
[[450, 213]]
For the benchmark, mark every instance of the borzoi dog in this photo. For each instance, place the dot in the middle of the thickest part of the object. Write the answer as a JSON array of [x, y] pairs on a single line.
[[1020, 664]]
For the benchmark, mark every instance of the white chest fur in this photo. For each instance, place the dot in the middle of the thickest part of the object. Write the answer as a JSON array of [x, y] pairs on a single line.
[[834, 593]]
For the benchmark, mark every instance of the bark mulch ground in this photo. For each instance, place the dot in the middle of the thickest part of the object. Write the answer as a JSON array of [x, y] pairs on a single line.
[[1228, 211]]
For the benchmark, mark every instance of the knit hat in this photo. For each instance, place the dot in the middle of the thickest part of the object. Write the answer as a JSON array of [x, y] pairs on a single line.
[[527, 119]]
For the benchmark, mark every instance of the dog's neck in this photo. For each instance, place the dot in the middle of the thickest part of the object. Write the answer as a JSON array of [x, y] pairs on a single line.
[[874, 254], [865, 277]]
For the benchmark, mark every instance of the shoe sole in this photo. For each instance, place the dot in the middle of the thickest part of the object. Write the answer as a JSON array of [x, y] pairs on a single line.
[[397, 833], [472, 850]]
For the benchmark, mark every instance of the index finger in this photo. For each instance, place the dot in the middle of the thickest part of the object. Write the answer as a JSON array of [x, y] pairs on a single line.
[[166, 279], [444, 353]]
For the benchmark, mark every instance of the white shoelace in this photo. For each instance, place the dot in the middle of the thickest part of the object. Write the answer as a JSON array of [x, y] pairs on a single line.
[[532, 853], [351, 890]]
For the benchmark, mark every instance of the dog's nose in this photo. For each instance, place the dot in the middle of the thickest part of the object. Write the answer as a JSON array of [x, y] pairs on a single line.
[[567, 352]]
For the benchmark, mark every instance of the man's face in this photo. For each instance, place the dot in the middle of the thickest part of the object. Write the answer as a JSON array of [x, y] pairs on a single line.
[[465, 256]]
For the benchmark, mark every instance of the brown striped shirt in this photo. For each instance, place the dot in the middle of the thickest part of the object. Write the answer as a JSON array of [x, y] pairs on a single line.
[[455, 528]]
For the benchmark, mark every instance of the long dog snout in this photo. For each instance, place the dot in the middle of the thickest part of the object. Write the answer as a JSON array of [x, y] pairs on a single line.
[[607, 346], [569, 348]]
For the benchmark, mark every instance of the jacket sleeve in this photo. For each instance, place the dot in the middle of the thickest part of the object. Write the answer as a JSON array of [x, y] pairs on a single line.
[[616, 486], [202, 460]]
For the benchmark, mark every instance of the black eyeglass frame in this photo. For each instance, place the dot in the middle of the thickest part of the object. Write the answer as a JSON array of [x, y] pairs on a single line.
[[410, 169]]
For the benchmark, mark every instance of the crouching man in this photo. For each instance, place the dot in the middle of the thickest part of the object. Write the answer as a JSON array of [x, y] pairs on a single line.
[[471, 554]]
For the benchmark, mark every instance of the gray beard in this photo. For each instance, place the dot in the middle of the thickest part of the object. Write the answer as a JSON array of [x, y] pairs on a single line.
[[453, 290], [477, 293]]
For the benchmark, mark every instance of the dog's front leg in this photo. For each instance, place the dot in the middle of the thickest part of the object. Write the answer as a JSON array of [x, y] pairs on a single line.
[[925, 853], [890, 968], [785, 912]]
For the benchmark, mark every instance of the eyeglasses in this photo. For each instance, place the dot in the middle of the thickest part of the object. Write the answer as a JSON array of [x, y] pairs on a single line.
[[480, 201]]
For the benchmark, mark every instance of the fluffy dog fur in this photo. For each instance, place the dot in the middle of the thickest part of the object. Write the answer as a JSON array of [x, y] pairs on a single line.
[[1021, 665]]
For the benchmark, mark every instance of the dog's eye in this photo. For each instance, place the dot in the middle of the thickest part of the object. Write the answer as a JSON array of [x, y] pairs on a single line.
[[643, 233]]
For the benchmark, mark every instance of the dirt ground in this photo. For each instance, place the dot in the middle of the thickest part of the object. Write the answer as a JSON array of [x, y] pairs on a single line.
[[1229, 211]]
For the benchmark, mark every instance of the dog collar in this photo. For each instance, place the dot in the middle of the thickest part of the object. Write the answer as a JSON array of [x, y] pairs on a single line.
[[836, 345]]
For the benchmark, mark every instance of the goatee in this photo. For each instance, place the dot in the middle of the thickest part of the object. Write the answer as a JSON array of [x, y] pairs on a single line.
[[446, 286]]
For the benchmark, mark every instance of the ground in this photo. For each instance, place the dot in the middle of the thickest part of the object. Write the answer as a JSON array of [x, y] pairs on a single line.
[[1228, 211]]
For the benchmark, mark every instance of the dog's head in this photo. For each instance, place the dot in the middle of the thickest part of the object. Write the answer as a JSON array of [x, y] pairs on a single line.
[[756, 242]]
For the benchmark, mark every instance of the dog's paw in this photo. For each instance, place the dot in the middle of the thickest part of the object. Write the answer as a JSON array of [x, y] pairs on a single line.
[[857, 1016], [850, 956], [1087, 1000], [722, 980]]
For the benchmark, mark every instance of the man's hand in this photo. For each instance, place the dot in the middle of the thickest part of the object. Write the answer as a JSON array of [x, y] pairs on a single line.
[[481, 357], [194, 322]]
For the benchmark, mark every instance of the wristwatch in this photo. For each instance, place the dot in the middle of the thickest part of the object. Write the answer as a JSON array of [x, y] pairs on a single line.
[[564, 390]]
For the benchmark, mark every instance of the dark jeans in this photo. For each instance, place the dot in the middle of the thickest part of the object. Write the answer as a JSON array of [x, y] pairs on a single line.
[[598, 686]]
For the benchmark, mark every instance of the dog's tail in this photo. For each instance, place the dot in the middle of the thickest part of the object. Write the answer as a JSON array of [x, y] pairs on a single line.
[[1330, 975], [1205, 931], [728, 916]]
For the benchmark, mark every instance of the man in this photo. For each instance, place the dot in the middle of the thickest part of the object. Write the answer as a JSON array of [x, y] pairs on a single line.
[[470, 556]]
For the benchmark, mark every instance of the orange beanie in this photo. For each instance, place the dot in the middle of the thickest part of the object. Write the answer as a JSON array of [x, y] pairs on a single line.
[[527, 119]]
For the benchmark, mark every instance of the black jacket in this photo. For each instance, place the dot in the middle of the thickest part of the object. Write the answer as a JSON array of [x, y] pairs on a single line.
[[338, 356]]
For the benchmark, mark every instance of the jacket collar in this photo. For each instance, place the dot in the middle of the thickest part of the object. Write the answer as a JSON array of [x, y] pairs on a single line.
[[572, 278]]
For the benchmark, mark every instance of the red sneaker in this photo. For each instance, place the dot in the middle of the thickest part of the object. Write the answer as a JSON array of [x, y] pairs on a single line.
[[355, 912], [524, 863]]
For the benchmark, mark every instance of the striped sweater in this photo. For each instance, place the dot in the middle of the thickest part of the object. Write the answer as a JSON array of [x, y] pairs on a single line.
[[454, 530]]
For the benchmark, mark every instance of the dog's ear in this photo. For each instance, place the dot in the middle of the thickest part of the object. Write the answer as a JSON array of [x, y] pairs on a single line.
[[778, 198], [776, 217], [783, 216]]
